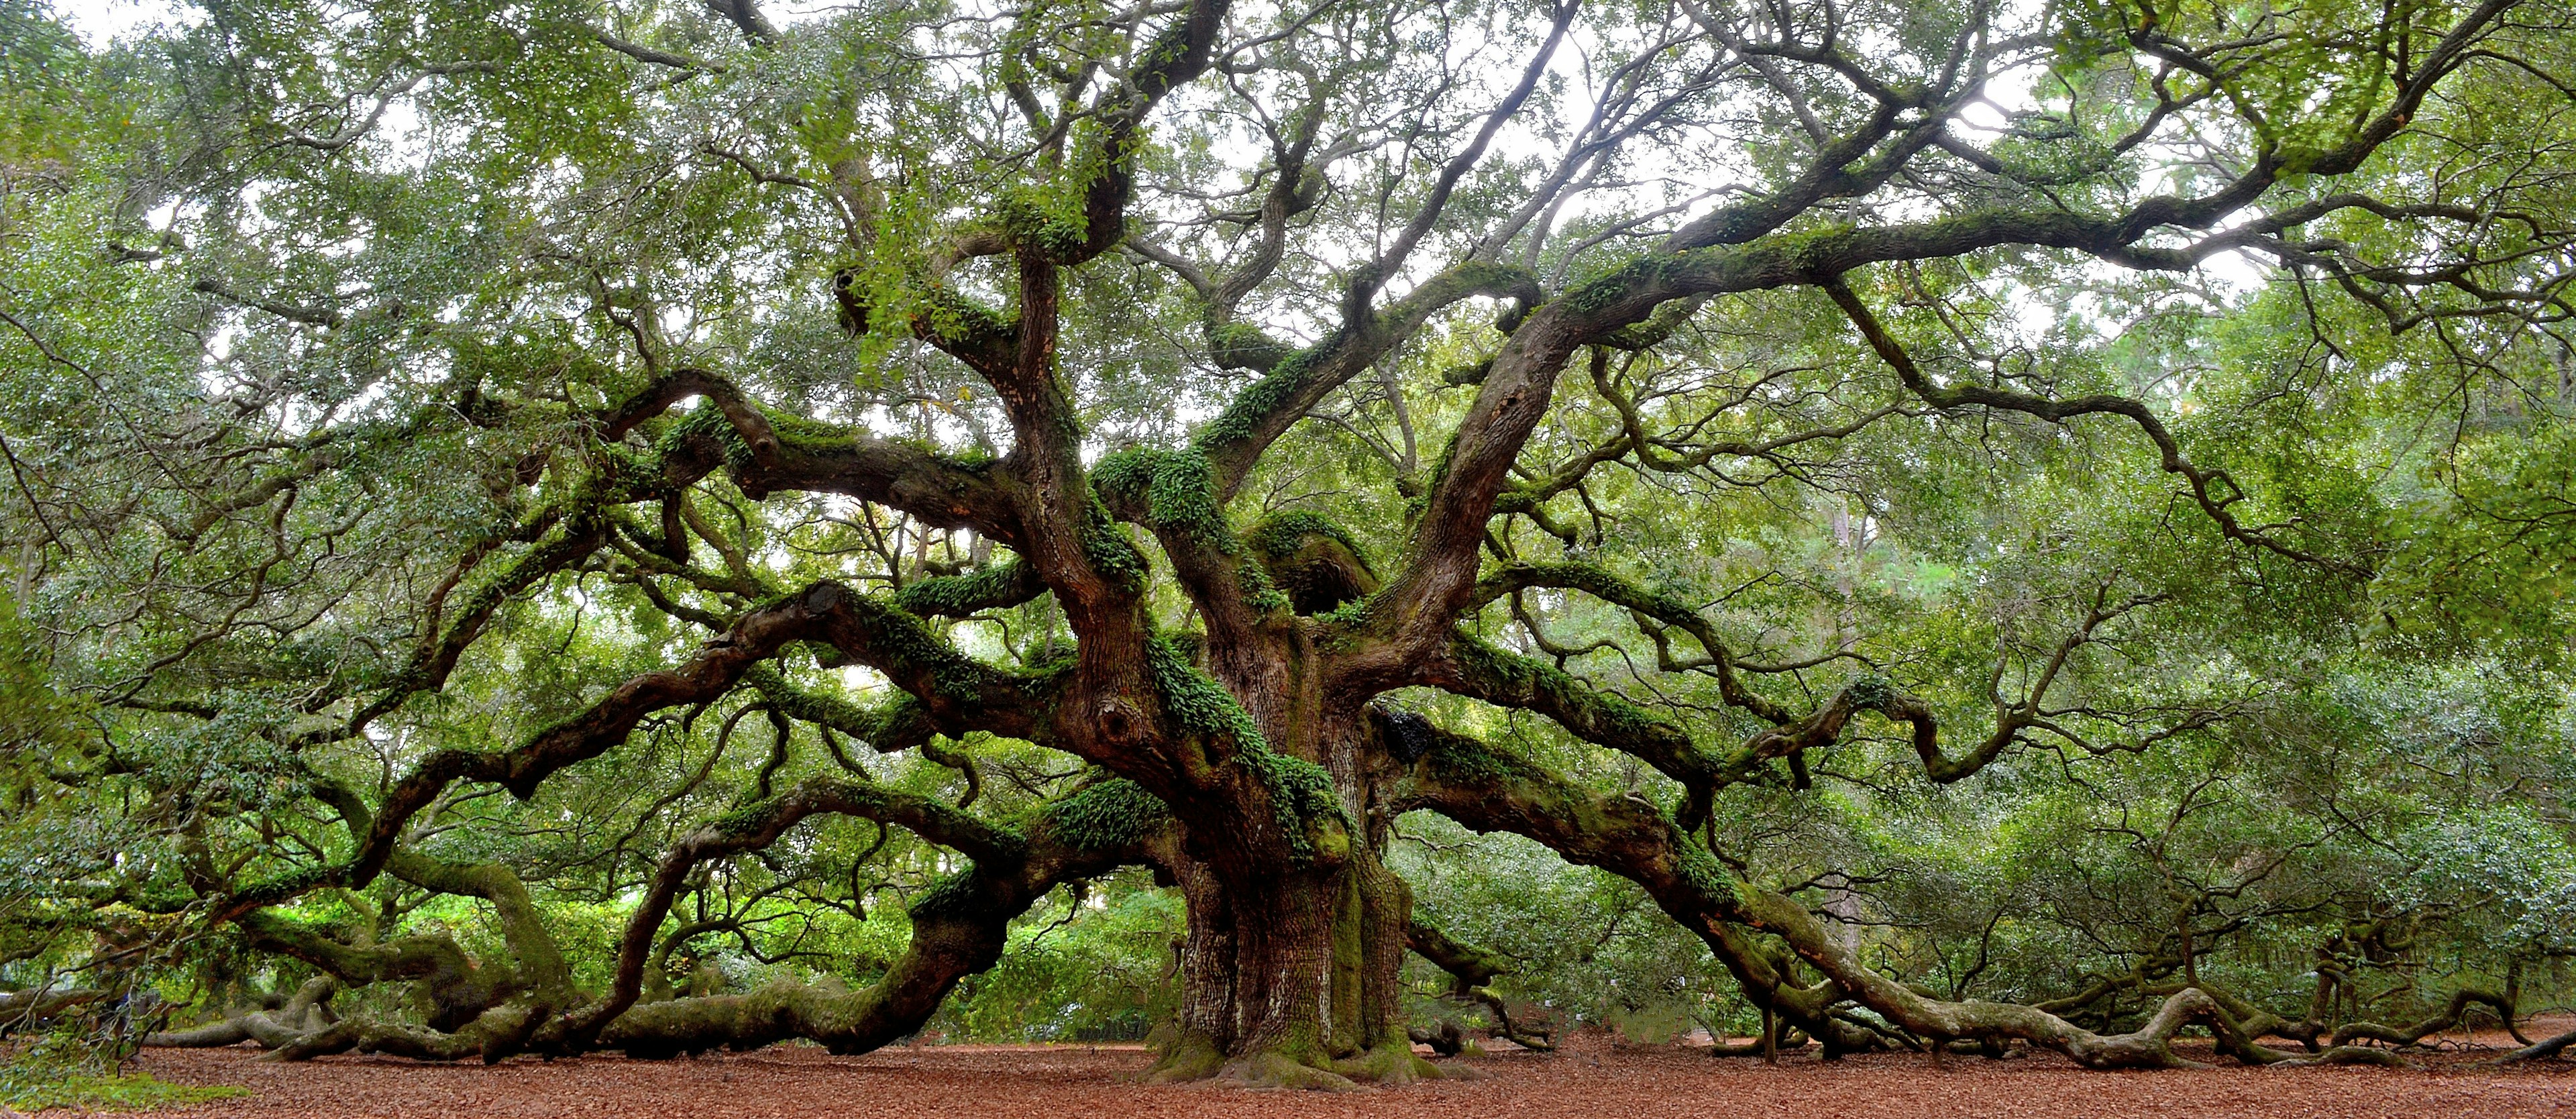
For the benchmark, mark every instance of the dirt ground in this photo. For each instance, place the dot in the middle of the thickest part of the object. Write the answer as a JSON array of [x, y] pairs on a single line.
[[1594, 1081]]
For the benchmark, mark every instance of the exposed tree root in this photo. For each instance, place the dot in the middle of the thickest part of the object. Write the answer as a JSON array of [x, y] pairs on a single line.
[[1272, 1068], [1187, 1056], [2540, 1051], [1390, 1065]]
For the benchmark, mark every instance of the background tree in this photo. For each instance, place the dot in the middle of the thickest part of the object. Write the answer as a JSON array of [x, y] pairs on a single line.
[[2063, 502]]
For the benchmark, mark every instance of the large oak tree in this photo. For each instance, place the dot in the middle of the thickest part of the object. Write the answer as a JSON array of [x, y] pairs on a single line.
[[1199, 427]]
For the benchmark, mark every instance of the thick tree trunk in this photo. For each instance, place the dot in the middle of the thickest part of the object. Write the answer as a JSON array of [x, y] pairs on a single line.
[[1290, 980], [1289, 970]]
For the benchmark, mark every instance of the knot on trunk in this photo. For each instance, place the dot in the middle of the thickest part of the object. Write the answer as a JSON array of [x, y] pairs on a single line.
[[1315, 561]]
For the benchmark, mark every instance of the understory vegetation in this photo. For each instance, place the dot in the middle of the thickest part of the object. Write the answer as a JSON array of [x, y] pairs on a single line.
[[1286, 532]]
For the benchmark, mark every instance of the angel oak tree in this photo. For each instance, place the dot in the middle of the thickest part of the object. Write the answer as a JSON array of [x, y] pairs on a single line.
[[972, 346]]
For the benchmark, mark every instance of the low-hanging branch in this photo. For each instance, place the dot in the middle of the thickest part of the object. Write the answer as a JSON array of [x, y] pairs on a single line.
[[1490, 790]]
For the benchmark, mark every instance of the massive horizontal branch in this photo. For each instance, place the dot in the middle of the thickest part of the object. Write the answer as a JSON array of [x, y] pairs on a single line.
[[772, 454], [958, 927], [955, 692], [1482, 671], [1491, 790], [1476, 669], [1601, 583], [758, 825]]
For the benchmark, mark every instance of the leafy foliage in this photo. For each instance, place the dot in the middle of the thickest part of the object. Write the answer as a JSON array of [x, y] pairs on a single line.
[[2076, 498]]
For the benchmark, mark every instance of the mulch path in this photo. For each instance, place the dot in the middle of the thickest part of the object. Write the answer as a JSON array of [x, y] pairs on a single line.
[[1601, 1082]]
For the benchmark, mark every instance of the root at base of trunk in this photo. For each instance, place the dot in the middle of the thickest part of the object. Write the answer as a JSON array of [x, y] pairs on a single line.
[[1185, 1057], [1196, 1059], [1273, 1068], [1394, 1064]]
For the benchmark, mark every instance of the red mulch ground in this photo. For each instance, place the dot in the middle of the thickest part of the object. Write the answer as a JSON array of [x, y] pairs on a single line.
[[986, 1082]]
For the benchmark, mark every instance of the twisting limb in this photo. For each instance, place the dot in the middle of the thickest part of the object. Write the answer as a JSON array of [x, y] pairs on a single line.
[[2452, 1013], [457, 988], [757, 826], [2212, 490], [1472, 971], [958, 927], [2541, 1051], [484, 1010], [1294, 381], [956, 694], [1490, 790], [1601, 583], [1474, 668], [305, 1012], [769, 454], [1716, 256]]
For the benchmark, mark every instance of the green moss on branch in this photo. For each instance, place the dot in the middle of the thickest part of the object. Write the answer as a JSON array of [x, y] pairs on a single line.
[[1111, 815]]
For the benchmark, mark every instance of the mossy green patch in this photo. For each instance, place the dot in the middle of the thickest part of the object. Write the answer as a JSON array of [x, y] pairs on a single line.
[[1196, 701], [1264, 398], [1301, 792], [742, 819], [1309, 809], [1314, 562], [708, 422], [1107, 816], [1458, 760], [1871, 692], [1603, 584], [961, 322], [955, 596], [1591, 712], [1260, 595], [35, 1089], [1050, 220], [1110, 552], [1280, 535], [1177, 490], [956, 895], [1700, 868], [1244, 346]]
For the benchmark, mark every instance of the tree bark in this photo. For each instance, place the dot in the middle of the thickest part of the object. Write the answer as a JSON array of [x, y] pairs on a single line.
[[1290, 981], [1290, 967]]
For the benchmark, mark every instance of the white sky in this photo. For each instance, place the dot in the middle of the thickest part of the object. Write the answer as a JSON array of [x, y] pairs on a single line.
[[102, 21]]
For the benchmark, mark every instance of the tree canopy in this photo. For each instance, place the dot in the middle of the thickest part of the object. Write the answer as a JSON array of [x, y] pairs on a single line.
[[542, 526]]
